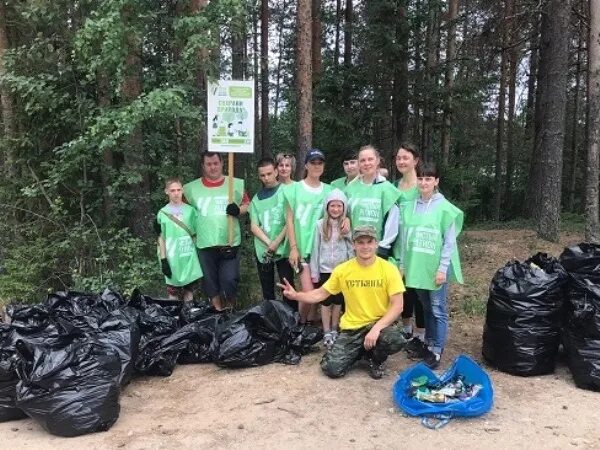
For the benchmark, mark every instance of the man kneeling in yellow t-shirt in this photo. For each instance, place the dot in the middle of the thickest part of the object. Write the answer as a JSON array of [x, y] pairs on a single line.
[[372, 289]]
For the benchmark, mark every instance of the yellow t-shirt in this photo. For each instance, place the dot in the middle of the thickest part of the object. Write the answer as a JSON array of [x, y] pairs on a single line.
[[366, 290]]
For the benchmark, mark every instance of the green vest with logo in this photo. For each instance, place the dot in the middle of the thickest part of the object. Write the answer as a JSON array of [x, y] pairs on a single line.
[[339, 183], [307, 208], [180, 248], [424, 238], [405, 200], [210, 204], [369, 203], [269, 215]]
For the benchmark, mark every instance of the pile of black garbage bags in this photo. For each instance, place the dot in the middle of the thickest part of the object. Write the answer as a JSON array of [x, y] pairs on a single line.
[[536, 305], [64, 362]]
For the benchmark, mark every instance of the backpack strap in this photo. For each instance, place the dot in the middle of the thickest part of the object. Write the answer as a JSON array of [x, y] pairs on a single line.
[[181, 224]]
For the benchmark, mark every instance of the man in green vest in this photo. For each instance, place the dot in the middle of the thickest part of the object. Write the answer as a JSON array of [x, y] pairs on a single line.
[[350, 164], [219, 259], [267, 223]]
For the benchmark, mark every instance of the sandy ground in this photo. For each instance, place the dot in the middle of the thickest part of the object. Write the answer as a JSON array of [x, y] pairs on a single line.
[[277, 406]]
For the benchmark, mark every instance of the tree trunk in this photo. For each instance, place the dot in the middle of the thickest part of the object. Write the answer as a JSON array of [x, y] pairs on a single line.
[[279, 61], [203, 55], [400, 89], [531, 200], [419, 76], [552, 83], [107, 155], [256, 77], [238, 72], [264, 77], [338, 25], [317, 33], [238, 60], [449, 80], [510, 126], [592, 226], [7, 160], [348, 35], [139, 219], [304, 80], [432, 40], [575, 121]]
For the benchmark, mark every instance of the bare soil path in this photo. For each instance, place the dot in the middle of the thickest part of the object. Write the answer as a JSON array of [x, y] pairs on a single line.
[[279, 406]]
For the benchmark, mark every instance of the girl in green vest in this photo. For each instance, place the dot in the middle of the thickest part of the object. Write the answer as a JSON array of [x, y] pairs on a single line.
[[407, 159], [304, 207], [430, 226], [372, 200], [175, 226]]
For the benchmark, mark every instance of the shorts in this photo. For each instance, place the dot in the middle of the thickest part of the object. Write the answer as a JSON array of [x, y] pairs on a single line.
[[337, 299], [177, 291]]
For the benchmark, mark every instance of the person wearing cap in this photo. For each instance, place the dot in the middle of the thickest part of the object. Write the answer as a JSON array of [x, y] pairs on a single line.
[[304, 207], [350, 164], [219, 259], [372, 289]]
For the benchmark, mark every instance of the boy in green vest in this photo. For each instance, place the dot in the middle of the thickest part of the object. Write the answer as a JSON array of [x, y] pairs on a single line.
[[175, 225], [267, 223], [219, 259], [350, 164]]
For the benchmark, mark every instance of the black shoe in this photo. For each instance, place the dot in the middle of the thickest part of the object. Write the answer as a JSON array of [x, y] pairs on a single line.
[[376, 371], [416, 348], [432, 360]]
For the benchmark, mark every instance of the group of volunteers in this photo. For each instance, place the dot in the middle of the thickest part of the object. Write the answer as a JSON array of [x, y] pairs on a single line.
[[368, 252]]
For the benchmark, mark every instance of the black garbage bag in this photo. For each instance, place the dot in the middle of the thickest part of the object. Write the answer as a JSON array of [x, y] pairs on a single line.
[[83, 310], [202, 344], [120, 331], [197, 311], [583, 307], [28, 315], [258, 336], [34, 325], [72, 390], [193, 343], [155, 356], [521, 334], [582, 259], [8, 377], [583, 358], [303, 341]]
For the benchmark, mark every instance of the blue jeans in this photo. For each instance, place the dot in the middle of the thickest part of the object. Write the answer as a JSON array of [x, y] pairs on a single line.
[[436, 317]]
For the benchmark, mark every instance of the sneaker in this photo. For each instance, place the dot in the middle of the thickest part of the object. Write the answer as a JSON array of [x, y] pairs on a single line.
[[416, 348], [334, 335], [376, 371], [328, 340], [432, 360]]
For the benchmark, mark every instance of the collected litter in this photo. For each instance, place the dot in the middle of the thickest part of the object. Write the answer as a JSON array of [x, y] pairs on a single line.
[[64, 362], [464, 390], [524, 316]]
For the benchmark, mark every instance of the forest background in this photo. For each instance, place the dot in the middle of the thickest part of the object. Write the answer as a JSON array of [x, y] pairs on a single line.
[[101, 101]]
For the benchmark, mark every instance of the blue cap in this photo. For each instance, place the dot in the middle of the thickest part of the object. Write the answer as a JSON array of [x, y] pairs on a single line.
[[313, 154]]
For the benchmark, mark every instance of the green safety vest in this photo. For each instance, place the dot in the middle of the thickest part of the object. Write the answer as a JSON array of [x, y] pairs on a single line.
[[307, 208], [181, 251], [424, 238], [405, 200], [269, 215], [339, 183], [369, 203], [210, 203]]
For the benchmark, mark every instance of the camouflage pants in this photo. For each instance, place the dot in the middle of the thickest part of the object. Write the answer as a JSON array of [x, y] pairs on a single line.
[[349, 348]]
